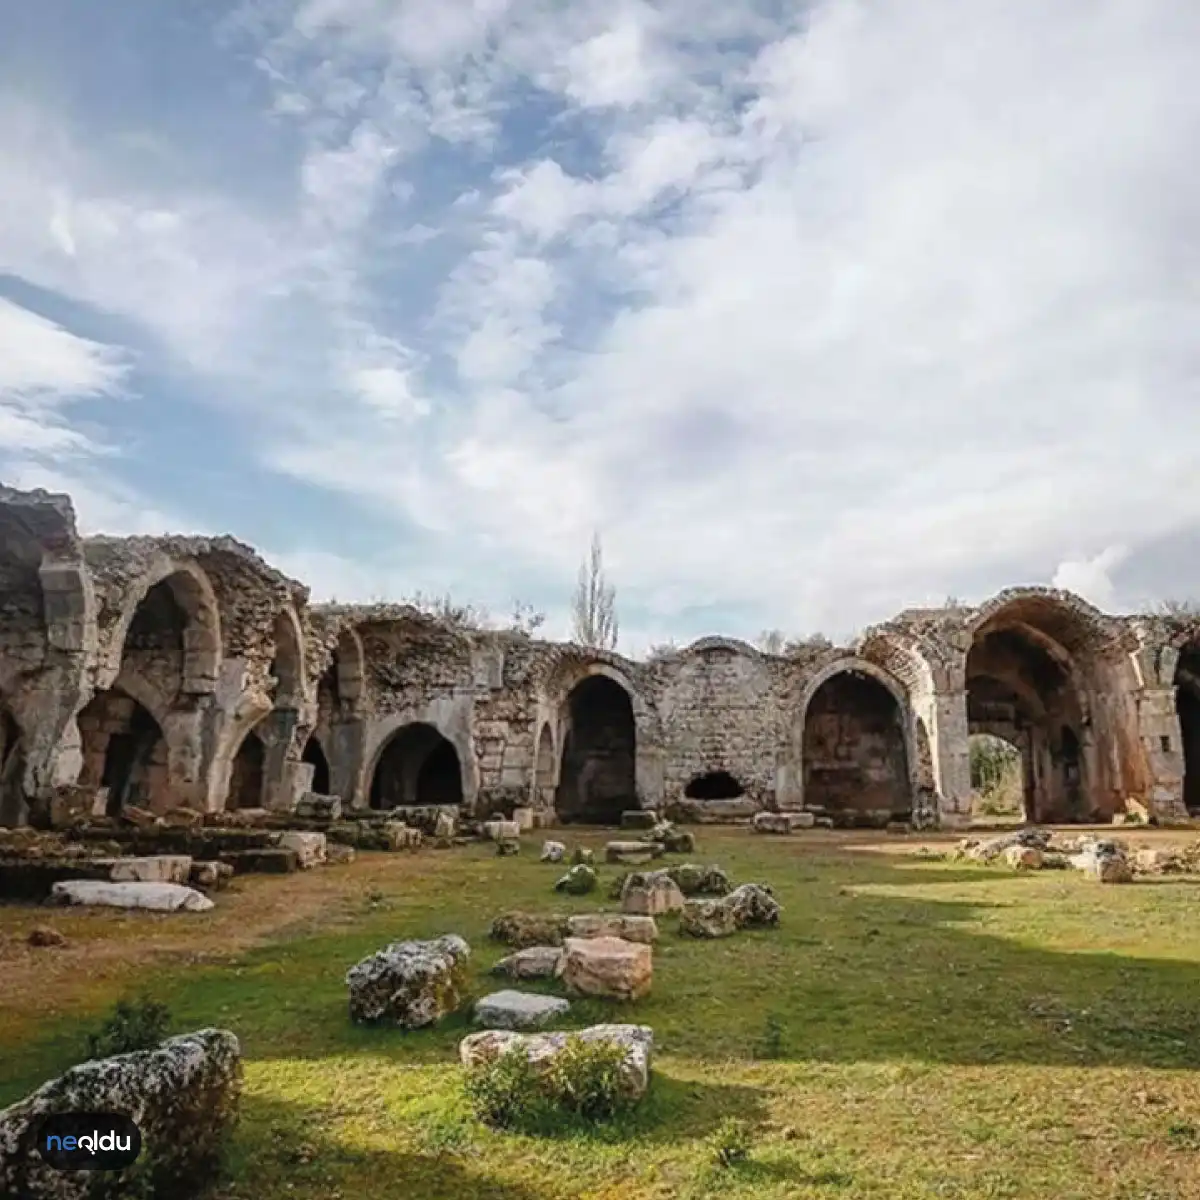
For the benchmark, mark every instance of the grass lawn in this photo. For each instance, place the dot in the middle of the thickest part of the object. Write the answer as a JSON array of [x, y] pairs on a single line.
[[942, 1030]]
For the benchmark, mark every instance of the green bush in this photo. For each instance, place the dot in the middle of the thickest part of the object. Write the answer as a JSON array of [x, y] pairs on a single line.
[[730, 1143], [582, 1083], [140, 1024]]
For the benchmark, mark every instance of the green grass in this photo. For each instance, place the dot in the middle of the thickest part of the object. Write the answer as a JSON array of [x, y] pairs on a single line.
[[913, 1029]]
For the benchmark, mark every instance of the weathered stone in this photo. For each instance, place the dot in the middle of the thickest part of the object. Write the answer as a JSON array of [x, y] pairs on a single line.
[[651, 894], [445, 825], [672, 840], [501, 831], [183, 818], [523, 818], [183, 1097], [553, 852], [519, 1010], [508, 849], [521, 929], [138, 816], [161, 897], [771, 822], [632, 854], [748, 906], [338, 855], [578, 881], [583, 856], [45, 935], [209, 875], [543, 1048], [317, 807], [410, 984], [990, 849], [630, 927], [707, 919], [397, 835], [160, 868], [272, 861], [696, 880], [607, 966], [1024, 858], [534, 962]]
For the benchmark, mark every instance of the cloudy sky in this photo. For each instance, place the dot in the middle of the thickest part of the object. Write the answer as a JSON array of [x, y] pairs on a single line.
[[815, 311]]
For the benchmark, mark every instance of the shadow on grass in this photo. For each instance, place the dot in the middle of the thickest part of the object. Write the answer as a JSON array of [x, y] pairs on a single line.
[[866, 966]]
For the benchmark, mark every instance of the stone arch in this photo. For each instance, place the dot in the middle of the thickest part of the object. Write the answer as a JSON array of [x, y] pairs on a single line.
[[598, 764], [1037, 669], [248, 773], [416, 764], [124, 750], [190, 589], [343, 681], [287, 665], [856, 745], [314, 754]]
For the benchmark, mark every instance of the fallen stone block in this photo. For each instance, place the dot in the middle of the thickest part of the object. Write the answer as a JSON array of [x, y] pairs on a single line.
[[159, 868], [542, 1048], [209, 875], [45, 935], [501, 831], [309, 848], [534, 962], [629, 927], [694, 879], [509, 848], [651, 894], [183, 1097], [521, 929], [314, 806], [183, 818], [273, 861], [632, 854], [410, 984], [553, 852], [337, 855], [523, 818], [519, 1010], [1024, 858], [609, 967], [749, 906], [160, 897]]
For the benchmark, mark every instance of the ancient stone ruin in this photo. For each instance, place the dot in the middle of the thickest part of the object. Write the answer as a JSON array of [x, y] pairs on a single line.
[[158, 673]]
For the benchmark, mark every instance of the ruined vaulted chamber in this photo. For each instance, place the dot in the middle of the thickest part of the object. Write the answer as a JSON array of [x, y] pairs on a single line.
[[186, 671]]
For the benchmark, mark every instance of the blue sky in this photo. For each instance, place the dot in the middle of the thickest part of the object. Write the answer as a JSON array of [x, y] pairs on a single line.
[[815, 311]]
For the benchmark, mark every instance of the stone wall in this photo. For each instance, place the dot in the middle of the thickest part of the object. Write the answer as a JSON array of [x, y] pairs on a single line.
[[188, 669]]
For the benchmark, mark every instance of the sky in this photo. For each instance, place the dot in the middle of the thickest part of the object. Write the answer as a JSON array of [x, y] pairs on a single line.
[[814, 311]]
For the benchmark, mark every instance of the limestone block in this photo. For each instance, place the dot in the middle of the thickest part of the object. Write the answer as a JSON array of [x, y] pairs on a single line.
[[501, 831], [553, 852], [632, 854], [745, 907], [523, 818], [639, 818], [209, 874], [410, 984], [183, 1097], [630, 927], [519, 1010], [161, 897], [157, 868], [534, 962], [1024, 858], [444, 825], [607, 966], [651, 894], [309, 847], [707, 919], [578, 881], [521, 929], [542, 1048], [314, 806], [337, 855]]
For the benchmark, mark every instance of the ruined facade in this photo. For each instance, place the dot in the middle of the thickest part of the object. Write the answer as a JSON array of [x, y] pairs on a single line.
[[185, 671]]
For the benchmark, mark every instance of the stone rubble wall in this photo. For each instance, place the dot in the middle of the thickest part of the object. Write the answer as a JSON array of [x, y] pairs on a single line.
[[214, 643]]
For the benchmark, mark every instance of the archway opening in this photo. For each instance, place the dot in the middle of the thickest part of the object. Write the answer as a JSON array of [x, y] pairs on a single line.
[[125, 752], [287, 668], [715, 785], [320, 764], [248, 775], [418, 766], [1187, 708], [998, 783], [855, 759], [13, 807], [598, 778], [1022, 688]]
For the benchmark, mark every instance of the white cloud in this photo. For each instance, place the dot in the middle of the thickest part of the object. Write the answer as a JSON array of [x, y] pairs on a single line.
[[814, 321]]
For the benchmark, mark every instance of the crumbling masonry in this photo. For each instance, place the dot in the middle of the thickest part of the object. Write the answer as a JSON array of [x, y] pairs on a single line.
[[185, 671]]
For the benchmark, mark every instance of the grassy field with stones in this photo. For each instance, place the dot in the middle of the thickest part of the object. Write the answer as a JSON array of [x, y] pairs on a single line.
[[914, 1028]]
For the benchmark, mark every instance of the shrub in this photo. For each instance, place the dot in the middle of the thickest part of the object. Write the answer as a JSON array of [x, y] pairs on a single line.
[[581, 1083], [140, 1024], [730, 1143], [770, 1045]]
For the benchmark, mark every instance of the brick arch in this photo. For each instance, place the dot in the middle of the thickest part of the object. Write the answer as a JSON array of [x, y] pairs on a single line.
[[193, 591], [904, 657]]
